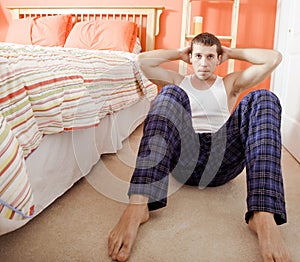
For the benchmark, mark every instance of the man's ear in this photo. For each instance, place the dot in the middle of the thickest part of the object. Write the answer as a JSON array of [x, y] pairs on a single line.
[[219, 59]]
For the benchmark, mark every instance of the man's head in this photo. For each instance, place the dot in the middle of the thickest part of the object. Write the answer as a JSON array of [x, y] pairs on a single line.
[[207, 39], [205, 55]]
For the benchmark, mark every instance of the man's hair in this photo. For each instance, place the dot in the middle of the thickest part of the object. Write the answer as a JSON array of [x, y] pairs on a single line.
[[207, 39]]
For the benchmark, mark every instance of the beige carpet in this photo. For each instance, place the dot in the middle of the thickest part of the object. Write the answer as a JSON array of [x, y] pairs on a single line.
[[197, 225]]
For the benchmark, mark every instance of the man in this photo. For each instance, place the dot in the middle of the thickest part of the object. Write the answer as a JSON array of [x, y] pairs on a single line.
[[194, 132]]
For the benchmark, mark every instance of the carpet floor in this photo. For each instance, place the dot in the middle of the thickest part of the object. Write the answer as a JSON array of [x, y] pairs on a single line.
[[197, 225]]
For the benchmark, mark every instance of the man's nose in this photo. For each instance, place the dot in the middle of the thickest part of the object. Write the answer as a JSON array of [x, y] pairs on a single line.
[[203, 61]]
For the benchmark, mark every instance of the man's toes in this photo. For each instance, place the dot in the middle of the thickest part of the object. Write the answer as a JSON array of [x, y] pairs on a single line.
[[115, 248], [111, 244], [124, 253]]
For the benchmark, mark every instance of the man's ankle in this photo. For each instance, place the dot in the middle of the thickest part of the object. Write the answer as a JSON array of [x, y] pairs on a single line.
[[262, 215], [139, 200], [262, 219]]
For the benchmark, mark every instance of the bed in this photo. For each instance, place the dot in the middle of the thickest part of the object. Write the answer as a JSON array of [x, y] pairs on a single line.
[[65, 102]]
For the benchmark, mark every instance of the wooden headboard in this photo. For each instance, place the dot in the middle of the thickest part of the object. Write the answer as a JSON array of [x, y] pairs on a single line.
[[146, 17]]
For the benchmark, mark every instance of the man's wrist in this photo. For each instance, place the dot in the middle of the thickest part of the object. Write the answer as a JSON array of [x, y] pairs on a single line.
[[180, 53]]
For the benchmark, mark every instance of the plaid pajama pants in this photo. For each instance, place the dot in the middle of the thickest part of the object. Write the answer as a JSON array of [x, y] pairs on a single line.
[[250, 138]]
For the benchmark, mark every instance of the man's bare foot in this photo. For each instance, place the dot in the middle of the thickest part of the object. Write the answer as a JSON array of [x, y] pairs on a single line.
[[270, 241], [122, 237]]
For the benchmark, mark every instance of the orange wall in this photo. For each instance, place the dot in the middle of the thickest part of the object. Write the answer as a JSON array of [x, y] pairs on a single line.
[[256, 20]]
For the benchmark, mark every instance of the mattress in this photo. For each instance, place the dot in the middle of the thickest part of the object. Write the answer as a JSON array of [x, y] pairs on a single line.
[[64, 158]]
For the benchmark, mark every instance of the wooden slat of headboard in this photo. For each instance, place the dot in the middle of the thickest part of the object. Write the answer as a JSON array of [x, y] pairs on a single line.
[[147, 17]]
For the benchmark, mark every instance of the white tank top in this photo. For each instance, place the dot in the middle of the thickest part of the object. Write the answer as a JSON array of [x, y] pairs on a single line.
[[209, 107]]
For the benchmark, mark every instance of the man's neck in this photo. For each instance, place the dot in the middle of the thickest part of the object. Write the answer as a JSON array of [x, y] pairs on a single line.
[[202, 84]]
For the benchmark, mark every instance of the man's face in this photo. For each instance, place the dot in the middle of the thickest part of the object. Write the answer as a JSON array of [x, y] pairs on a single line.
[[204, 60]]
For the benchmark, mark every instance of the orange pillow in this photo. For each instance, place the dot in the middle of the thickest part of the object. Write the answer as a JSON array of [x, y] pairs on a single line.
[[51, 30], [117, 35], [45, 31], [19, 31]]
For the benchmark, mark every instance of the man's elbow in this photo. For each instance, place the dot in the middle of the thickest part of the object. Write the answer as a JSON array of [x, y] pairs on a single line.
[[139, 60], [277, 58], [143, 62]]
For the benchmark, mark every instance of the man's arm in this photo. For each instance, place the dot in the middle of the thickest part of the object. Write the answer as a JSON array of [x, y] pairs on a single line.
[[263, 62], [149, 62]]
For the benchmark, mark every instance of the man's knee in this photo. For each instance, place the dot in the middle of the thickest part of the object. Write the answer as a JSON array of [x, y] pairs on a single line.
[[264, 94], [172, 99], [174, 92], [170, 88], [263, 97]]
